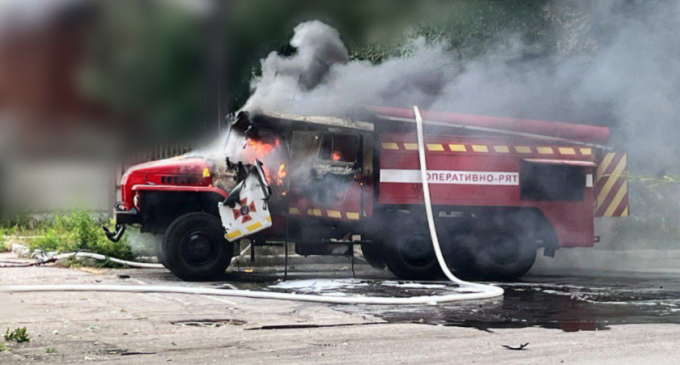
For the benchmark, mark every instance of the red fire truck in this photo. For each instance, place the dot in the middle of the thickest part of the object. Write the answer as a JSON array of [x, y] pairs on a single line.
[[501, 189]]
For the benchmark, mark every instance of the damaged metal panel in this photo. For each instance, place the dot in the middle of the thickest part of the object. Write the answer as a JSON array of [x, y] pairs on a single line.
[[323, 120]]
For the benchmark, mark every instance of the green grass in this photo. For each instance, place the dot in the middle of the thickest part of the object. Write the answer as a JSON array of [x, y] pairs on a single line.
[[20, 335], [3, 347], [70, 232], [50, 350]]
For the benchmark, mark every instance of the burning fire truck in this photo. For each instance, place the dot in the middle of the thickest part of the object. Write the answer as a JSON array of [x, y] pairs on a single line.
[[501, 189]]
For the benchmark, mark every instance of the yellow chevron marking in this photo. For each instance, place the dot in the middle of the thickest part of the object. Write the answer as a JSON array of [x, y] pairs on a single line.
[[458, 148], [254, 226], [545, 150], [567, 151], [501, 149], [611, 180], [233, 234], [435, 147], [480, 148], [317, 212], [617, 200], [625, 212], [587, 151], [523, 149], [604, 164], [353, 216], [269, 219], [294, 211], [411, 146], [390, 146], [334, 214]]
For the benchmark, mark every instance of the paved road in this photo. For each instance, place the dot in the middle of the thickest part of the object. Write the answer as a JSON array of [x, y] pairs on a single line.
[[566, 320]]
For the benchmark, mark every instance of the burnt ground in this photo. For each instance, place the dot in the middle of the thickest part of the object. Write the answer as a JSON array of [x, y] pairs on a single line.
[[589, 318]]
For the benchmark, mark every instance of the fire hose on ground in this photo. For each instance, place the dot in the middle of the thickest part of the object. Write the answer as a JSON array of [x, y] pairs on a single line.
[[472, 291]]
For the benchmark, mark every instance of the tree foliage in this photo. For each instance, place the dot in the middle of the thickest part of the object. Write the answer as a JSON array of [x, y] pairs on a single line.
[[149, 60]]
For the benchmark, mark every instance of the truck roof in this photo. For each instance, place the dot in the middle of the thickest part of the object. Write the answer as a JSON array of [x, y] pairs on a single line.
[[529, 128]]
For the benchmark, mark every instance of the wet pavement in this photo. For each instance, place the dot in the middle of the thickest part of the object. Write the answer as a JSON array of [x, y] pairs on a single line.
[[576, 303], [588, 302]]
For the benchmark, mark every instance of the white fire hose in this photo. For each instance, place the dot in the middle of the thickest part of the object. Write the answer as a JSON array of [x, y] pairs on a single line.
[[472, 291]]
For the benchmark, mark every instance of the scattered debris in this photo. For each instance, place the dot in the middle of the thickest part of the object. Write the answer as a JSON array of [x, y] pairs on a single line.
[[91, 328], [123, 276], [210, 323], [305, 326], [20, 335], [521, 347], [137, 353]]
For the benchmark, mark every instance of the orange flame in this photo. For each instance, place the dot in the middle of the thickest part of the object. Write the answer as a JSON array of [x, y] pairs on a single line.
[[337, 156], [260, 148]]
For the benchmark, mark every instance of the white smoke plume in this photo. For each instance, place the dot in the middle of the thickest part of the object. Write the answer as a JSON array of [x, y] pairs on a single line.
[[627, 77]]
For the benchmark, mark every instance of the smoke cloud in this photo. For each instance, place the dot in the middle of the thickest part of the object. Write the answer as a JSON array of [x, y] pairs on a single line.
[[619, 68]]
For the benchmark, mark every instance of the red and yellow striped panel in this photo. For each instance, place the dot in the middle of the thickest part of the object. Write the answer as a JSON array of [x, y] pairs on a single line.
[[612, 186], [317, 212]]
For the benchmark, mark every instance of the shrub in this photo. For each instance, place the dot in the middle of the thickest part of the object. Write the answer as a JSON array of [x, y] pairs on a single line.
[[20, 335], [80, 231]]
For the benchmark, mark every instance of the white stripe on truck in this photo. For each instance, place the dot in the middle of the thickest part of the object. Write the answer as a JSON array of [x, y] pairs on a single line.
[[451, 177]]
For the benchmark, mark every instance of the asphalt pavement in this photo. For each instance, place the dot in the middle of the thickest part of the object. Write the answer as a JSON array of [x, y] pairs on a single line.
[[590, 318]]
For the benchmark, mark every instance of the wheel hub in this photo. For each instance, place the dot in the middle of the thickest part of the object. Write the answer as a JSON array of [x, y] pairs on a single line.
[[417, 250], [199, 248], [504, 248]]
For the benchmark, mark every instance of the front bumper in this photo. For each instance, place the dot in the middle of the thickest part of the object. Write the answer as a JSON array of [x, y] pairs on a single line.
[[124, 217], [121, 219]]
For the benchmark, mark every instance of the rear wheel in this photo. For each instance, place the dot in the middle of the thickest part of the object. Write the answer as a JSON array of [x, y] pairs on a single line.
[[458, 251], [373, 255], [195, 248], [504, 254], [408, 251]]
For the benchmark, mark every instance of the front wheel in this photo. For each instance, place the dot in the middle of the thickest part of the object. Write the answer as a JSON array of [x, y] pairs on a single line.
[[195, 248], [158, 248]]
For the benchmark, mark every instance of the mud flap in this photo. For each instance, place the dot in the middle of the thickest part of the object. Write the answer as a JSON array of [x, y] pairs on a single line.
[[249, 213]]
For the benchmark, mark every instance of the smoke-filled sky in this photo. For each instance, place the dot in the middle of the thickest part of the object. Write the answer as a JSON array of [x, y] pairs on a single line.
[[629, 79]]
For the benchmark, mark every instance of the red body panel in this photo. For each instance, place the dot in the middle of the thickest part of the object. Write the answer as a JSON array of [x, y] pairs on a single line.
[[187, 171], [572, 220], [190, 189]]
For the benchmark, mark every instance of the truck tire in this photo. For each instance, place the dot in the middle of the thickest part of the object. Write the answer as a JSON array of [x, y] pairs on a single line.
[[503, 254], [408, 251], [458, 251], [158, 248], [195, 247], [373, 255]]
